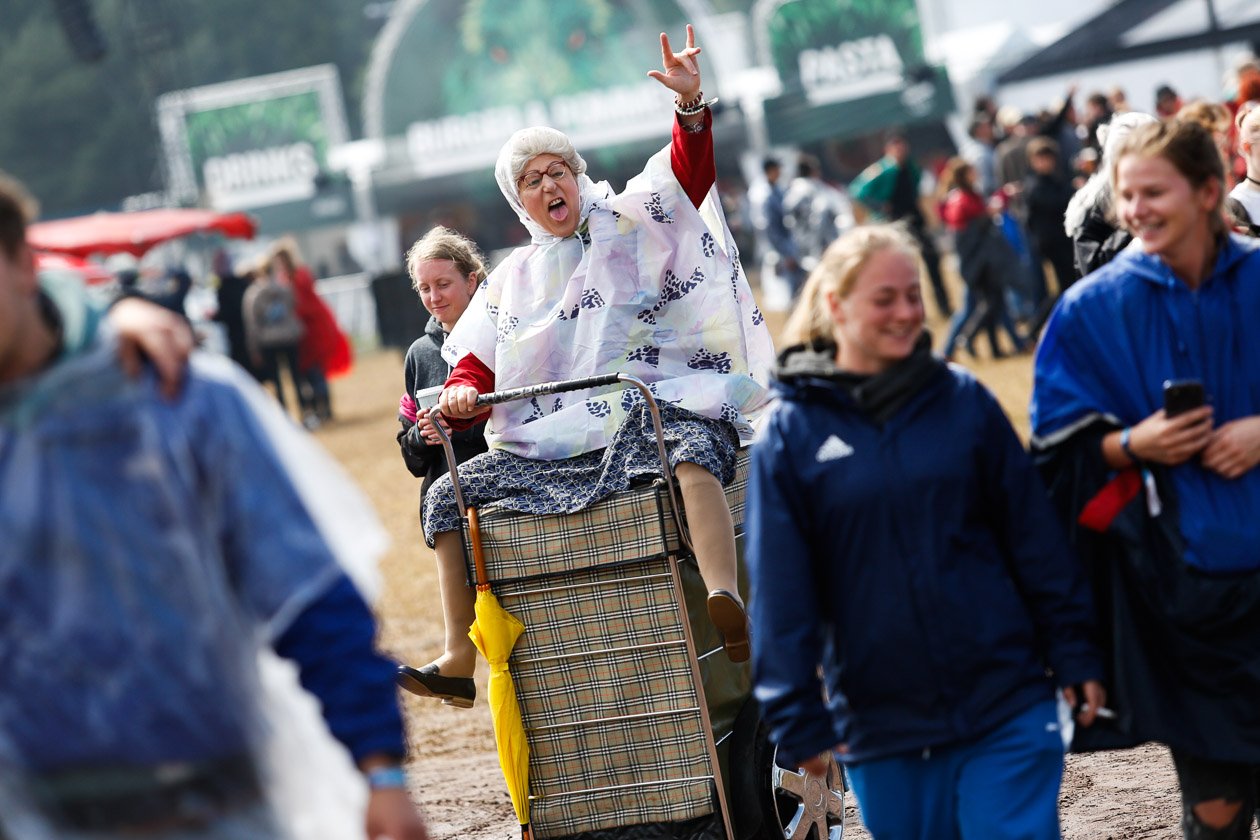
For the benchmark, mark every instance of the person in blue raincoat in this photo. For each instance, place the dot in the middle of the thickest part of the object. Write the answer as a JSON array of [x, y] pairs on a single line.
[[1168, 507], [159, 555], [899, 536]]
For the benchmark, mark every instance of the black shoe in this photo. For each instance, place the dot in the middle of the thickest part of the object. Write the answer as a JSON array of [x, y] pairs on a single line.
[[728, 616], [427, 682]]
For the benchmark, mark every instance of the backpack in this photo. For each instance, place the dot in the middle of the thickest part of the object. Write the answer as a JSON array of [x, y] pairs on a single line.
[[273, 316]]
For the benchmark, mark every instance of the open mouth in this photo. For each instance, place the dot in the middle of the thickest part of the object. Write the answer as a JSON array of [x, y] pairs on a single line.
[[558, 210]]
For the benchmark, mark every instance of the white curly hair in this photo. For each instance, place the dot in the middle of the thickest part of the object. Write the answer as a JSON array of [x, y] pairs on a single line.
[[518, 151]]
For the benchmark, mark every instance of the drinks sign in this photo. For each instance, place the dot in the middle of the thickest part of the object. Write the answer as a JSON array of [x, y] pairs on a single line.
[[255, 142]]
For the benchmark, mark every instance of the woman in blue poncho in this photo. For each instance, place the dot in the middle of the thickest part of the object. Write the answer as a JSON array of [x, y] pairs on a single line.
[[1168, 508]]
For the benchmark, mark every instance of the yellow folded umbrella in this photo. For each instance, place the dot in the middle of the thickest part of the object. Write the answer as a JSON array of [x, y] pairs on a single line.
[[494, 631]]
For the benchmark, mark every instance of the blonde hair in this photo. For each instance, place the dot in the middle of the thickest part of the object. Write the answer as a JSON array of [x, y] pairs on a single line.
[[286, 251], [837, 272], [442, 243], [1211, 115]]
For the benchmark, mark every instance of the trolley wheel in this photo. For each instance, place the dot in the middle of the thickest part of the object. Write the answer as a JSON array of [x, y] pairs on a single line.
[[769, 802]]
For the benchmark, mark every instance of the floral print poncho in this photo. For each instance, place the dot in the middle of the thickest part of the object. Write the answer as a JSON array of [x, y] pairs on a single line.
[[650, 286]]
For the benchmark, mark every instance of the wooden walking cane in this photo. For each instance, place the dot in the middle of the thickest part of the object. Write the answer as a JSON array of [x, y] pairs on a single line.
[[479, 557]]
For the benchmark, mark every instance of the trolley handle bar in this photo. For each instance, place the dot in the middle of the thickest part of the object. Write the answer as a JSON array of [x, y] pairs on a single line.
[[560, 387]]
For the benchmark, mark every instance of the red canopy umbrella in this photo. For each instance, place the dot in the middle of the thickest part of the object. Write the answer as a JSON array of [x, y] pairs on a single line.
[[133, 233], [92, 273]]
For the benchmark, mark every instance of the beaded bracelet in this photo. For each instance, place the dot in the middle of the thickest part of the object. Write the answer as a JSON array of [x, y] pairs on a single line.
[[693, 106]]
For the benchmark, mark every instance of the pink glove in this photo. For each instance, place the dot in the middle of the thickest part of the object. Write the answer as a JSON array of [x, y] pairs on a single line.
[[407, 408]]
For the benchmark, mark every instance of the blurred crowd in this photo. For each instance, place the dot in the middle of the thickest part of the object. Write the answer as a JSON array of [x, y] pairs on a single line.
[[266, 315], [1040, 177]]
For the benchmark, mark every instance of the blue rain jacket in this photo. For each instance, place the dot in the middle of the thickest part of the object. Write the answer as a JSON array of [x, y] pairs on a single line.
[[149, 547], [1113, 340], [919, 562]]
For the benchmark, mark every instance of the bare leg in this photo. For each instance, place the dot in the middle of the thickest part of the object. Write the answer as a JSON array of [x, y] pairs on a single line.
[[460, 656], [449, 677], [713, 537]]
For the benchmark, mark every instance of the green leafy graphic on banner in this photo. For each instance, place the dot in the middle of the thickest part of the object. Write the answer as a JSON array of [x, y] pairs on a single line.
[[257, 125], [481, 55]]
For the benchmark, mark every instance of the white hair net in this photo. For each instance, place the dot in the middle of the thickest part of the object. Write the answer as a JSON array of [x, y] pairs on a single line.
[[518, 151]]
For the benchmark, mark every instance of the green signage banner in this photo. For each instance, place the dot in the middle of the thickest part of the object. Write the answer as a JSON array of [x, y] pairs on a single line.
[[460, 77], [253, 143], [259, 153], [793, 119], [847, 67]]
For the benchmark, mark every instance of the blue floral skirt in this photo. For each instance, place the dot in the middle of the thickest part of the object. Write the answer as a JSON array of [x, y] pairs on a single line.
[[570, 484]]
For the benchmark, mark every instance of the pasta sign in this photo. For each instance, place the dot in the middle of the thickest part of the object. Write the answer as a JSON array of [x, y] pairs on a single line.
[[847, 68], [850, 70]]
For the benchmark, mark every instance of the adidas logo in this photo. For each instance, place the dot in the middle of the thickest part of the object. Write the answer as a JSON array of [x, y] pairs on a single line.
[[833, 449]]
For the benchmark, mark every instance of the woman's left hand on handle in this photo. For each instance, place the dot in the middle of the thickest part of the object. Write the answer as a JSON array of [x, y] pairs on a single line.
[[680, 71]]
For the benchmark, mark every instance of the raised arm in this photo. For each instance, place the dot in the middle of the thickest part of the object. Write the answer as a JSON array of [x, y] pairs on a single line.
[[691, 153]]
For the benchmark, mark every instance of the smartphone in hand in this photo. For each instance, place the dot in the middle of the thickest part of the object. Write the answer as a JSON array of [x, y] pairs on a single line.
[[1182, 395]]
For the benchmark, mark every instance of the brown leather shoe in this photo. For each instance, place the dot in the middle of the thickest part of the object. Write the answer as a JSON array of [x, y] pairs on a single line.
[[726, 612]]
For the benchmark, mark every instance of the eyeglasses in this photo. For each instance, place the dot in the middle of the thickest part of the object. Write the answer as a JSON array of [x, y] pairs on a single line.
[[532, 179]]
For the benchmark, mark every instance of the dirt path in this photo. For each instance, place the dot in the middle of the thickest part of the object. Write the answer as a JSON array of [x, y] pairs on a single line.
[[454, 771]]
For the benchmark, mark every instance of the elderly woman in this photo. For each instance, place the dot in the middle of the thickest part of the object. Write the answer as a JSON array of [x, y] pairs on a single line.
[[646, 282]]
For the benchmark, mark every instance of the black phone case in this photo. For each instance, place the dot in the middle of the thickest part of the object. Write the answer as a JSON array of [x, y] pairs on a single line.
[[1182, 396]]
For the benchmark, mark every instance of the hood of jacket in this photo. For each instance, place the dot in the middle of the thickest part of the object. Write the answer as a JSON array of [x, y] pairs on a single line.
[[1233, 249], [434, 330], [811, 367]]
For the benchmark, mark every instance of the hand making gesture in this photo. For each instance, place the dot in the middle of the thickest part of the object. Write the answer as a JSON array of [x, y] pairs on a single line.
[[681, 71]]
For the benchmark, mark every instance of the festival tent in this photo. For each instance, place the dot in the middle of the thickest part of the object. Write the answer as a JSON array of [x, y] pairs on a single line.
[[133, 233], [92, 273]]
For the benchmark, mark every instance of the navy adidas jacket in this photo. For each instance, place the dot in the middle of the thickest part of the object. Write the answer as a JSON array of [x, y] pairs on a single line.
[[917, 561]]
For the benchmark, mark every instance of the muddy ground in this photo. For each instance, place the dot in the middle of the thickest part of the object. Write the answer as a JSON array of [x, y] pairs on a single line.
[[453, 769]]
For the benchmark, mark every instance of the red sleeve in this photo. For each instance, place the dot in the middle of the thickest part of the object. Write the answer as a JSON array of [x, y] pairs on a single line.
[[691, 156], [961, 208], [470, 371]]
